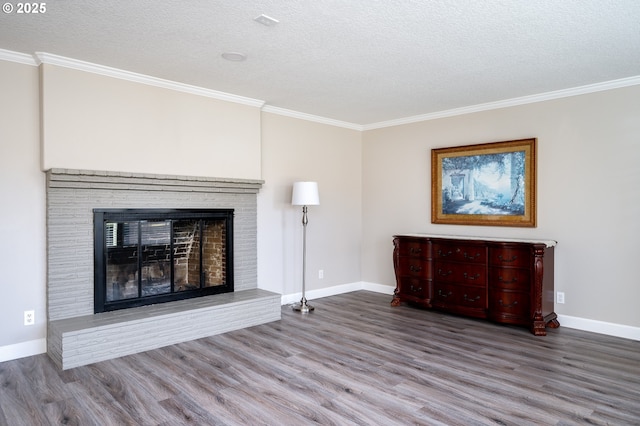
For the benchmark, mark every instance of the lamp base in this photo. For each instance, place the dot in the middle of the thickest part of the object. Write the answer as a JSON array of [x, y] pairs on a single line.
[[303, 307]]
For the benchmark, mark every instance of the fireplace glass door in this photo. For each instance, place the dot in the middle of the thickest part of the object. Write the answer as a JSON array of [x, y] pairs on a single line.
[[149, 256]]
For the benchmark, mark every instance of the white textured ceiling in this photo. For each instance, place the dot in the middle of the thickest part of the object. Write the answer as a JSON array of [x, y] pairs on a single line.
[[356, 61]]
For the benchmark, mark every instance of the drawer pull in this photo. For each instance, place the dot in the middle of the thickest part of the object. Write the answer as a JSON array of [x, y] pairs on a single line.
[[504, 305], [468, 299], [443, 295], [471, 257], [513, 259], [414, 250], [471, 277], [414, 268], [443, 254], [416, 290], [512, 280], [444, 274]]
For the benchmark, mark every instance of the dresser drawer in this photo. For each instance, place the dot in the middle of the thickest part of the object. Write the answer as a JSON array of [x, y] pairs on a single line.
[[415, 288], [509, 306], [510, 256], [461, 273], [413, 248], [510, 278], [414, 267], [472, 297], [460, 299], [445, 294], [468, 253]]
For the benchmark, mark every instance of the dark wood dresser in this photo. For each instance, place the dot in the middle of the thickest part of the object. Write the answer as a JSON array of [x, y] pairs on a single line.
[[502, 280]]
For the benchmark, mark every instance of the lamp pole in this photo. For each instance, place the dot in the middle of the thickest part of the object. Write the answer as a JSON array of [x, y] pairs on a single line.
[[303, 306], [304, 194]]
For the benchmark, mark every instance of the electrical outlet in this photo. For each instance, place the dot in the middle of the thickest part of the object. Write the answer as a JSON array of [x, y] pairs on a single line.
[[560, 297], [29, 317], [320, 274]]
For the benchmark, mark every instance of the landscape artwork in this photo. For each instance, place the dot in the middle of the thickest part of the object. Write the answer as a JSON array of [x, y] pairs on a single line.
[[487, 184]]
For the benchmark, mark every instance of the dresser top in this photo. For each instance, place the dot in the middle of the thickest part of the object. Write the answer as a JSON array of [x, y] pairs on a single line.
[[548, 243]]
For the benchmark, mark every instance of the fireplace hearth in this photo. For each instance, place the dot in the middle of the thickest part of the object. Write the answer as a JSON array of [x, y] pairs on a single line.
[[148, 256]]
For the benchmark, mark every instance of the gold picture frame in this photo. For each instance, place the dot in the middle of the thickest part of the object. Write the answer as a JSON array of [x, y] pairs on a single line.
[[491, 184]]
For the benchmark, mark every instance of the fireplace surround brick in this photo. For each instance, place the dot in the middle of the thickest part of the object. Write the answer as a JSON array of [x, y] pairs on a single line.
[[73, 194]]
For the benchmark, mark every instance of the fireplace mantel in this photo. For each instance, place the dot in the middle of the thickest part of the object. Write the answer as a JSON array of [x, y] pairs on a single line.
[[90, 179]]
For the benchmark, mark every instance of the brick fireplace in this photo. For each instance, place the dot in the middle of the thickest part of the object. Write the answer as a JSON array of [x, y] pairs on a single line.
[[76, 335]]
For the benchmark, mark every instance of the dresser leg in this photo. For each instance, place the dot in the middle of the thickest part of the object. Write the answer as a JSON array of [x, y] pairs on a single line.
[[538, 328]]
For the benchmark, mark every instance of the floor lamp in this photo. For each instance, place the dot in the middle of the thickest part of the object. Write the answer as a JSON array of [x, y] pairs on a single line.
[[304, 194]]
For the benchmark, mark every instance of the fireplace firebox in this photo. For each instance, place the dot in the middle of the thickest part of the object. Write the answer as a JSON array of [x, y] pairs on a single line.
[[148, 256]]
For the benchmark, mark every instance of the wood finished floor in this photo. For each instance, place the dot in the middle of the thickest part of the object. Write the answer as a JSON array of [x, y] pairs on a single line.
[[353, 361]]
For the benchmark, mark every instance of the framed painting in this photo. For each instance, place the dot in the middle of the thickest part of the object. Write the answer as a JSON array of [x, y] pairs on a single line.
[[487, 184]]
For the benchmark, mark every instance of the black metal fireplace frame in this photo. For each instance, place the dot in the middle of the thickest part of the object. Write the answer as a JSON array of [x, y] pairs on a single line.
[[101, 216]]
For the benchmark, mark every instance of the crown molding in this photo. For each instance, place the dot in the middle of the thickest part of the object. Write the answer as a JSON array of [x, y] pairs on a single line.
[[310, 117], [47, 58], [558, 94], [21, 58], [50, 59]]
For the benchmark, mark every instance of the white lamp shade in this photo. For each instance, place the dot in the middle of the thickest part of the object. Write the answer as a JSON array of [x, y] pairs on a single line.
[[305, 194]]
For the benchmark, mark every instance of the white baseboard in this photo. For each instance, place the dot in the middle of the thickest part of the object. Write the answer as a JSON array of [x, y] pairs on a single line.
[[584, 324], [24, 349], [601, 327], [379, 288], [335, 290]]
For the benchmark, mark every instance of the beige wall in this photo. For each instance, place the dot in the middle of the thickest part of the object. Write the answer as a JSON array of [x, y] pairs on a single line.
[[96, 122], [373, 184], [22, 215], [588, 192], [299, 150]]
